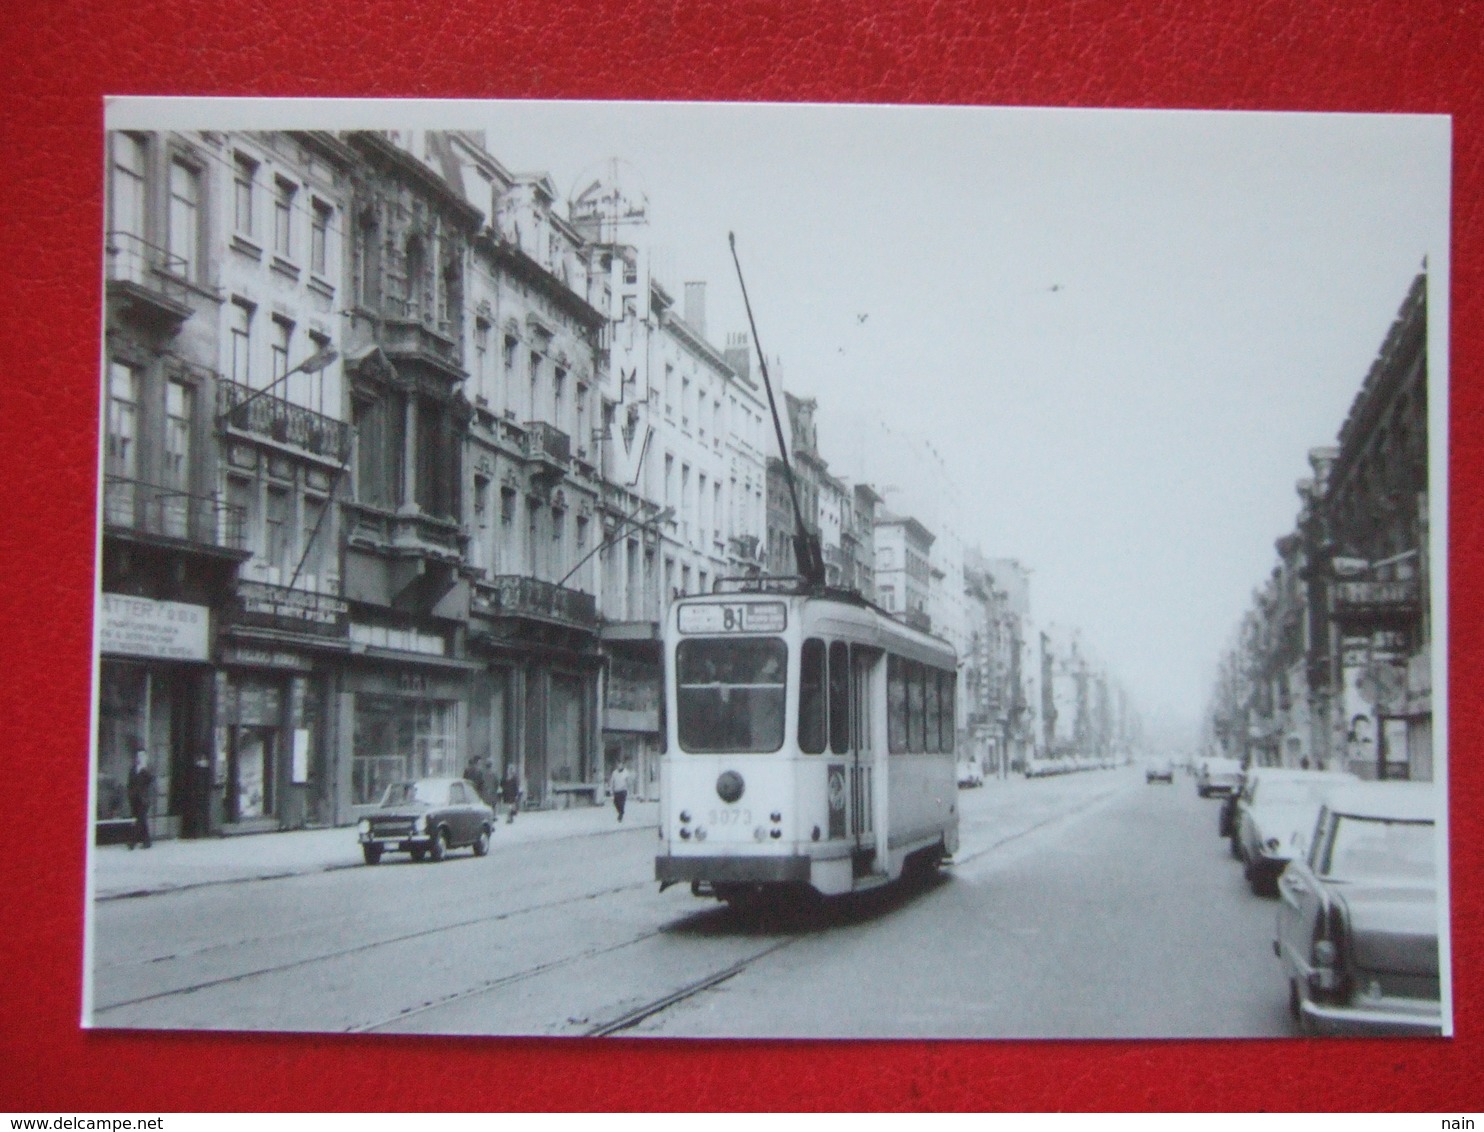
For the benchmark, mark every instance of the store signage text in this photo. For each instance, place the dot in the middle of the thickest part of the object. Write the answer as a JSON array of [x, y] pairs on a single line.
[[165, 630], [1376, 593], [295, 610]]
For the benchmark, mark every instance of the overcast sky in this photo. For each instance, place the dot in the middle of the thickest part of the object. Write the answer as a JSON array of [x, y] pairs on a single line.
[[1100, 342]]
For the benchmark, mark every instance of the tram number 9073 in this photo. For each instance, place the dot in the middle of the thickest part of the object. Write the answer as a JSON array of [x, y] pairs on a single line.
[[732, 815]]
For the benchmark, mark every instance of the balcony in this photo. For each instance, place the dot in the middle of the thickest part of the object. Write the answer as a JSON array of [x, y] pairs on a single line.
[[414, 339], [166, 513], [548, 448], [247, 410], [512, 595], [151, 280]]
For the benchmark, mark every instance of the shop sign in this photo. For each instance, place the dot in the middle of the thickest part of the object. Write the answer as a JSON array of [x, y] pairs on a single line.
[[263, 658], [1396, 595], [164, 630], [295, 611]]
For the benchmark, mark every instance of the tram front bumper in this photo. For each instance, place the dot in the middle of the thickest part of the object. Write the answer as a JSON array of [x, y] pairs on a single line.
[[732, 870]]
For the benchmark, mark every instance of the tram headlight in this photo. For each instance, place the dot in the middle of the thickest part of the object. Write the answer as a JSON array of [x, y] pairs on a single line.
[[775, 834], [729, 786], [759, 834], [700, 833], [775, 817], [685, 817], [684, 834]]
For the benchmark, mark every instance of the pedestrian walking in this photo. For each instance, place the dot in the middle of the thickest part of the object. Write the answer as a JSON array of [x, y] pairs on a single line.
[[510, 792], [618, 786], [474, 775], [141, 794]]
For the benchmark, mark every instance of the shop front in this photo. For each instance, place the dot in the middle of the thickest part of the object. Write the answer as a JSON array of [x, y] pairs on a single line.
[[402, 719], [633, 720], [154, 695]]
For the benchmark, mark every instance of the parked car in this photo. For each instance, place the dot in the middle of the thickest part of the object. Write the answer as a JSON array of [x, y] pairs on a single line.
[[969, 773], [1226, 820], [1218, 777], [1357, 929], [1274, 818], [426, 818], [1159, 770]]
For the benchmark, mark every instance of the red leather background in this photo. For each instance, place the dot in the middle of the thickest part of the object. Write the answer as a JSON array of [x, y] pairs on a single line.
[[62, 56]]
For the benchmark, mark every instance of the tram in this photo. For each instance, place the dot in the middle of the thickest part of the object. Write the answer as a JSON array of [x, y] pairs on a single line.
[[810, 743]]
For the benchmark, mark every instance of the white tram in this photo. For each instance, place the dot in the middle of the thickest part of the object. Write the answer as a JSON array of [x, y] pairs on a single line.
[[810, 743]]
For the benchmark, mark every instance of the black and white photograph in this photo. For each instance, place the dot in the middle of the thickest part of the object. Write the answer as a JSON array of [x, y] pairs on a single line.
[[699, 570]]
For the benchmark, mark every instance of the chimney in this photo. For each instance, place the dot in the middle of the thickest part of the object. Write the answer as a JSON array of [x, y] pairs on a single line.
[[738, 355], [695, 307]]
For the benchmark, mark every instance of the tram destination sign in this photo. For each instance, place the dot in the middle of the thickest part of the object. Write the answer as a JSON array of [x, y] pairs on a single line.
[[734, 617]]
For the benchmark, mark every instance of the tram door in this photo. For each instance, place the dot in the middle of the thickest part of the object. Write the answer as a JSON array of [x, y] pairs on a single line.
[[862, 757]]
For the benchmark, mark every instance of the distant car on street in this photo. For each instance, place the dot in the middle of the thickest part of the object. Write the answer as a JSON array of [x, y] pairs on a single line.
[[1274, 818], [1218, 777], [426, 818], [969, 773], [1159, 770], [1357, 929]]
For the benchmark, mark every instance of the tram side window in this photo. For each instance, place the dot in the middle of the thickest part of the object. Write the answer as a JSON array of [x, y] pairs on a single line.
[[916, 714], [934, 718], [839, 697], [896, 704], [946, 684], [812, 697]]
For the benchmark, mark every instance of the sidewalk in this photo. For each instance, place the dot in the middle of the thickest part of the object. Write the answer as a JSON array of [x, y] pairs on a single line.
[[120, 872]]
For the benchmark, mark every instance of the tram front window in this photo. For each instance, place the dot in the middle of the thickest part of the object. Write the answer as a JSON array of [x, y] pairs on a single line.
[[731, 694]]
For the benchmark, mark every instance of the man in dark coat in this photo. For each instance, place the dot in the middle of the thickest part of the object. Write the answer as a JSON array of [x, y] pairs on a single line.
[[141, 795], [510, 792]]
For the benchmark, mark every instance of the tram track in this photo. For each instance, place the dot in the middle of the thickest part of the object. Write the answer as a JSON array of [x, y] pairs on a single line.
[[362, 948]]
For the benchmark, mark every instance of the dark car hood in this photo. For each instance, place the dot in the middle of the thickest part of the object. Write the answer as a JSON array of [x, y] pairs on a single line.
[[401, 810], [1393, 927]]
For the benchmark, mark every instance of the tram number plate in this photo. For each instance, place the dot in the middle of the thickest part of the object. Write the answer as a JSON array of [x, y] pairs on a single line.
[[734, 617], [730, 816]]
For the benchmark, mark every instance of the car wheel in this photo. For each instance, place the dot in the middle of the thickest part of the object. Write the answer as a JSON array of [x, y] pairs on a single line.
[[418, 854], [1236, 847], [439, 848], [482, 842], [372, 853]]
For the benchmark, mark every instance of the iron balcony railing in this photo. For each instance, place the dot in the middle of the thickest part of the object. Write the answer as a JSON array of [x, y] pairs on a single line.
[[514, 595], [253, 411], [131, 259], [151, 509]]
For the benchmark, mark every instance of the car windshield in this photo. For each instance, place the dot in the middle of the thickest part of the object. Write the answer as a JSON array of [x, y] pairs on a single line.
[[730, 694], [1291, 792], [403, 793], [1376, 849]]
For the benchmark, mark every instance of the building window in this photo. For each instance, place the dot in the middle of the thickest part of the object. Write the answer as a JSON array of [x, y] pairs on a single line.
[[283, 336], [558, 396], [246, 175], [481, 356], [319, 238], [535, 383], [185, 217], [283, 219], [277, 532], [239, 316], [314, 545], [123, 420], [180, 403], [127, 197]]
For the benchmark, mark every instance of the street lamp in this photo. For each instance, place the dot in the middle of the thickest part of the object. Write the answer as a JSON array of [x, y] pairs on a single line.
[[322, 357], [663, 517]]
